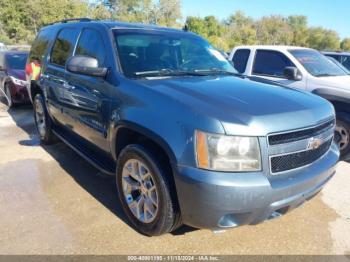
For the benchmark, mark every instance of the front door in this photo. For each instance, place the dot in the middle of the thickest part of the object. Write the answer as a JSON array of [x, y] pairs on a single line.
[[88, 96], [270, 64]]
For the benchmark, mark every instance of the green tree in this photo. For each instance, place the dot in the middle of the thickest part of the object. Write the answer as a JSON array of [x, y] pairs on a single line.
[[298, 25], [21, 20], [274, 30], [240, 30], [345, 44], [209, 27], [323, 39]]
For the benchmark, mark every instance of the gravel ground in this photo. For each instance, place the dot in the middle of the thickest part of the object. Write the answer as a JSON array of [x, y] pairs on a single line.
[[53, 202]]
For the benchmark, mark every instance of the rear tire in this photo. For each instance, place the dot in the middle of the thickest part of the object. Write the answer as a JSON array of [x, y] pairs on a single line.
[[144, 191], [43, 121], [342, 137]]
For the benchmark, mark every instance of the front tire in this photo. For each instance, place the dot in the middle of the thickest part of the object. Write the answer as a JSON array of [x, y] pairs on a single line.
[[144, 191], [7, 90], [43, 121], [342, 137]]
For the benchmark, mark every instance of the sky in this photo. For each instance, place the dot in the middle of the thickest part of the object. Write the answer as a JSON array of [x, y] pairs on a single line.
[[331, 14]]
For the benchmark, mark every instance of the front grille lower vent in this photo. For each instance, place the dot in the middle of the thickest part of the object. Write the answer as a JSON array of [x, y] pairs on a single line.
[[295, 160]]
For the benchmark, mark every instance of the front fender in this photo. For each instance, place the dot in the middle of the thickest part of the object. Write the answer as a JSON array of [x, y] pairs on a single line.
[[117, 125]]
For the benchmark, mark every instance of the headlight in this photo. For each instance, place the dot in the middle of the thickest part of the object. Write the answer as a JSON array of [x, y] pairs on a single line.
[[227, 153], [17, 81]]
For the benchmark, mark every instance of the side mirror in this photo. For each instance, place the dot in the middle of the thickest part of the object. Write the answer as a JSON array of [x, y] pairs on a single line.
[[86, 66], [292, 73]]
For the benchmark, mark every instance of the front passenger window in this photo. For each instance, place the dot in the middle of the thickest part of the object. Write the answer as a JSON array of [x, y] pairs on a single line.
[[270, 63], [64, 45], [91, 44]]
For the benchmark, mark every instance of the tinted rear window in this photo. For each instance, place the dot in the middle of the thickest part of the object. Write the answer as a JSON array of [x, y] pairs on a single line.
[[64, 45], [240, 59], [16, 61]]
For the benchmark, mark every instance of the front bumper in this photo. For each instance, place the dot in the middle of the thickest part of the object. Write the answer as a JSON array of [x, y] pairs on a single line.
[[219, 200]]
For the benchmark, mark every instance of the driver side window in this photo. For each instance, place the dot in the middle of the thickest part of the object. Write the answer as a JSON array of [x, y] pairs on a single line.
[[270, 63]]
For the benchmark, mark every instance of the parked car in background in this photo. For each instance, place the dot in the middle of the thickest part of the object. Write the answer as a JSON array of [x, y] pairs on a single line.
[[302, 68], [188, 140], [335, 61], [341, 57], [12, 77]]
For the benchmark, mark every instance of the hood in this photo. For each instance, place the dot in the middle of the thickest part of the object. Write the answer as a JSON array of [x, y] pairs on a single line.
[[342, 82], [19, 74], [243, 106]]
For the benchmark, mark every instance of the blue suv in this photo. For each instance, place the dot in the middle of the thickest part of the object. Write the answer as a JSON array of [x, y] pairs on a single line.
[[189, 140]]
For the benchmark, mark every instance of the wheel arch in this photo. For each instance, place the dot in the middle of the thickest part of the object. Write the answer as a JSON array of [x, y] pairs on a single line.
[[124, 130]]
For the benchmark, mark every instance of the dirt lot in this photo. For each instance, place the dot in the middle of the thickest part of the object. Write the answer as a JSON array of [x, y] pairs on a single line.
[[53, 202]]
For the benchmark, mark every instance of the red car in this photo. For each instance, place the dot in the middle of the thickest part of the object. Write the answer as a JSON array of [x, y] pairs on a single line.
[[12, 77]]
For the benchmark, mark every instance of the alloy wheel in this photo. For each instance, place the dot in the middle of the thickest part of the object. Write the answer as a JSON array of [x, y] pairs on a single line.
[[140, 191], [40, 118], [343, 137]]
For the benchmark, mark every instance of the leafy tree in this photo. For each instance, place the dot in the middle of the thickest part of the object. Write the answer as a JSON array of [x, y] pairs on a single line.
[[345, 44], [169, 12], [274, 30], [298, 25], [21, 20], [323, 39], [240, 30], [209, 27]]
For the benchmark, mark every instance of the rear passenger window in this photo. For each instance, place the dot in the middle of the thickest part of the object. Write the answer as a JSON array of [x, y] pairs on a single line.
[[240, 59], [64, 45], [40, 45], [91, 44], [270, 63]]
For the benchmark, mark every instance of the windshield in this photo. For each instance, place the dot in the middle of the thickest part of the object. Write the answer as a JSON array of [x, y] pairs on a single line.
[[316, 63], [152, 53], [335, 61], [16, 61]]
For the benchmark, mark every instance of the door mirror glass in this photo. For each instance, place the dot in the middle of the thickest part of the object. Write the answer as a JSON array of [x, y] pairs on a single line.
[[292, 73], [86, 66]]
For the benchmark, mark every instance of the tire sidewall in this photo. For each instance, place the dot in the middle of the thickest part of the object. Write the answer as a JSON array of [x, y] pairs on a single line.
[[342, 122], [7, 90], [141, 154], [47, 137]]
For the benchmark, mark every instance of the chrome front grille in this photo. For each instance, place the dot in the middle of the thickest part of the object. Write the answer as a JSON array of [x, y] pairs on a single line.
[[295, 160], [299, 148], [297, 135]]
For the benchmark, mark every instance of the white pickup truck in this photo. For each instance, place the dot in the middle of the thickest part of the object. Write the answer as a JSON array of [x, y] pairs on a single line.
[[302, 68]]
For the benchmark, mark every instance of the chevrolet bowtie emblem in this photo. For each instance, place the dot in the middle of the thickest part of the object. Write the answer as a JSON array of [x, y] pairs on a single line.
[[314, 143]]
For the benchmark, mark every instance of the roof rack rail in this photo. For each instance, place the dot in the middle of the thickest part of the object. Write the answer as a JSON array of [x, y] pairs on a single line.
[[82, 19]]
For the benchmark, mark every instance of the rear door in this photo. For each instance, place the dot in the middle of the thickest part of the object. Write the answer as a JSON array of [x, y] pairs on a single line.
[[55, 82], [87, 97], [270, 64], [240, 60]]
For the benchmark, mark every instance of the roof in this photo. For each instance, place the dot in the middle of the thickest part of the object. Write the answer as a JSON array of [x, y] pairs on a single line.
[[336, 53], [272, 47], [113, 24]]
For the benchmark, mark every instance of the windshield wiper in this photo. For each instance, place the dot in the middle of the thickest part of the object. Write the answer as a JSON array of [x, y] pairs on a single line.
[[168, 72], [320, 75], [218, 71]]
